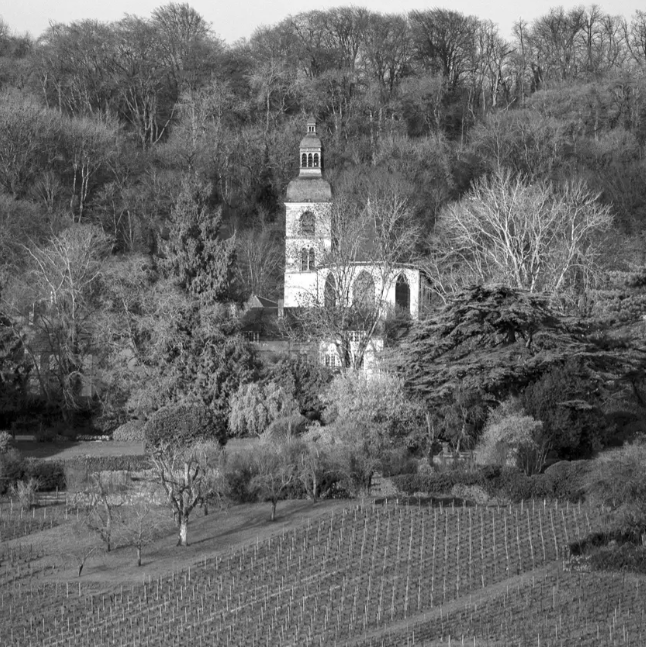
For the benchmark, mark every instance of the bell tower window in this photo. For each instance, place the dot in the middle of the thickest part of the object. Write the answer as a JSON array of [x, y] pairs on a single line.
[[308, 259], [307, 224], [304, 160], [316, 160]]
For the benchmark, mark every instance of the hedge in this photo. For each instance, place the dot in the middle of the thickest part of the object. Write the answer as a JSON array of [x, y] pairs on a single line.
[[626, 557], [131, 431], [496, 482], [50, 474], [182, 423]]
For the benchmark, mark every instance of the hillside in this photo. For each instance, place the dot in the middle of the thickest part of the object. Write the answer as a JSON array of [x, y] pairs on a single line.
[[359, 575]]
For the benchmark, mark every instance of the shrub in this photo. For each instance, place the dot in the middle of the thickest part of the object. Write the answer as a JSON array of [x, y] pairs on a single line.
[[397, 461], [616, 482], [239, 472], [509, 438], [25, 492], [131, 431], [12, 469], [515, 485], [565, 479], [626, 557], [183, 424], [286, 426], [49, 474], [475, 493], [561, 399], [5, 442]]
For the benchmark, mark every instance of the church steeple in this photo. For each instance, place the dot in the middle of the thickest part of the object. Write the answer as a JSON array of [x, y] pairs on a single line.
[[311, 152]]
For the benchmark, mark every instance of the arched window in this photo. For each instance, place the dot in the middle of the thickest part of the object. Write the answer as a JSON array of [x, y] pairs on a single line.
[[329, 298], [363, 291], [316, 160], [309, 160], [307, 224], [304, 160], [402, 294], [308, 259]]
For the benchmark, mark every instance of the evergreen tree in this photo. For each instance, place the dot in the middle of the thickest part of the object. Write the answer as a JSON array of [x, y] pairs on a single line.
[[195, 253]]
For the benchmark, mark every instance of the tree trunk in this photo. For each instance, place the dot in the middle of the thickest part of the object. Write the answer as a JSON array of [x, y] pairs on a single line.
[[274, 503], [138, 555], [183, 530]]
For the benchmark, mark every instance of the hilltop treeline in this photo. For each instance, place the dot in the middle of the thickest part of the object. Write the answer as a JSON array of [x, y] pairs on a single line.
[[143, 165]]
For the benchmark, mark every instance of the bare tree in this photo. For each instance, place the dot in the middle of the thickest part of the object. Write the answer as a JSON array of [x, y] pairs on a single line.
[[531, 236], [275, 473], [103, 500], [189, 476], [140, 524], [60, 289]]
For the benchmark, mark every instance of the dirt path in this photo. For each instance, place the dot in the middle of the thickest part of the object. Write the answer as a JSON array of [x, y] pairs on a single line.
[[478, 597]]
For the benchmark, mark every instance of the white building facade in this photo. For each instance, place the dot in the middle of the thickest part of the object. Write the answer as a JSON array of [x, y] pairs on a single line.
[[308, 241]]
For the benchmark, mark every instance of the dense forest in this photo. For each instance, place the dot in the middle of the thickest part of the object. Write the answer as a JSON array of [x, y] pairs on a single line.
[[143, 165]]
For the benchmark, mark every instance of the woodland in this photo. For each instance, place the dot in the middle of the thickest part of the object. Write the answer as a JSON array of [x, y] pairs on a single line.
[[143, 165]]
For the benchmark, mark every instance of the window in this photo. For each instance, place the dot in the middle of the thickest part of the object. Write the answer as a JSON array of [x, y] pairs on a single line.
[[304, 160], [355, 336], [307, 224], [308, 259], [363, 291], [316, 160], [309, 160], [332, 361], [402, 294]]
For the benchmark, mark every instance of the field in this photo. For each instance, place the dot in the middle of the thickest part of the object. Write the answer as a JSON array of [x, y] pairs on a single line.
[[367, 575]]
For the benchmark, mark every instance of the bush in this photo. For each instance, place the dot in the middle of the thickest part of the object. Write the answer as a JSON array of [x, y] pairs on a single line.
[[515, 485], [131, 431], [490, 481], [626, 557], [12, 469], [49, 474], [239, 472], [286, 426], [395, 462], [5, 442], [183, 424], [565, 479], [25, 491], [474, 493]]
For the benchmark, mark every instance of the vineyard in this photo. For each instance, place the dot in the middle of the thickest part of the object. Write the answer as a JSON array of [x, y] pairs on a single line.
[[365, 576]]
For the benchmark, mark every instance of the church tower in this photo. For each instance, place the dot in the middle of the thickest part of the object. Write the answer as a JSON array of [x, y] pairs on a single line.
[[308, 223]]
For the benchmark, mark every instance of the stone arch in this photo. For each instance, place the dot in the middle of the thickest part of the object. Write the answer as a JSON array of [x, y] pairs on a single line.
[[307, 224], [402, 293], [329, 296], [363, 290]]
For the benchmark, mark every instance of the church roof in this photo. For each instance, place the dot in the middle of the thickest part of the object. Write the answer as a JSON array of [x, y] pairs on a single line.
[[309, 189], [311, 140]]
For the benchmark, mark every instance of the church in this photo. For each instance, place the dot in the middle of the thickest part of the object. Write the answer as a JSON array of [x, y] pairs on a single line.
[[358, 287]]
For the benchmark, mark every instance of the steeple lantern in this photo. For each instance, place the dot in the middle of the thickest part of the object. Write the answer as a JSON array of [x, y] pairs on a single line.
[[311, 152]]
